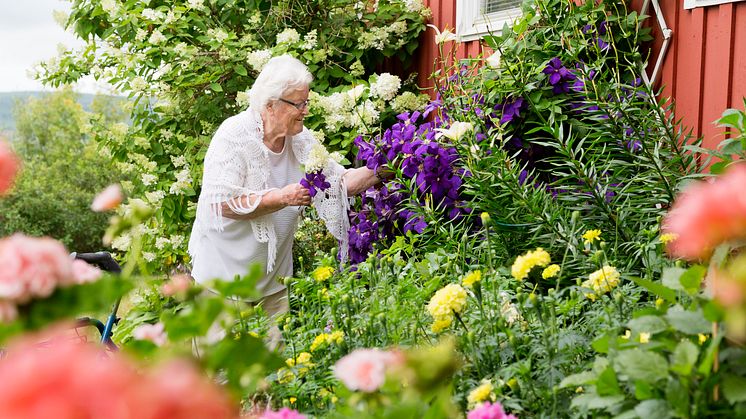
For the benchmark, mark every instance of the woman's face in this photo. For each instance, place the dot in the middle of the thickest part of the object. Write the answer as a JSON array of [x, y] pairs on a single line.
[[289, 111]]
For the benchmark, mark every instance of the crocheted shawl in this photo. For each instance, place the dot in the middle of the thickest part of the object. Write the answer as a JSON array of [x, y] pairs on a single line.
[[237, 164]]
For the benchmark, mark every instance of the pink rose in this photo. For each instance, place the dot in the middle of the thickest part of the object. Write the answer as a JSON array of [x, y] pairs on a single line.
[[32, 267], [9, 166], [488, 410], [364, 369], [150, 332], [284, 413], [68, 380], [725, 289], [707, 214], [84, 272], [107, 199]]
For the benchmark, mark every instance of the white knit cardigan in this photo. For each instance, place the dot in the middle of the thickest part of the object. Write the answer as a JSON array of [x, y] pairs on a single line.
[[237, 164]]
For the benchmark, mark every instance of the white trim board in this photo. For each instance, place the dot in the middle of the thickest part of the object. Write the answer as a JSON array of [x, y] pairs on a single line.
[[691, 4], [471, 24]]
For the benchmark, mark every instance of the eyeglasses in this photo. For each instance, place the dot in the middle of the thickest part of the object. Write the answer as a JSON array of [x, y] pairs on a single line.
[[299, 106]]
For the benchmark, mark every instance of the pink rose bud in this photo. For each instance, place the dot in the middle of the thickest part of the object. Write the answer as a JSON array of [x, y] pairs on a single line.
[[108, 199], [179, 284], [9, 166]]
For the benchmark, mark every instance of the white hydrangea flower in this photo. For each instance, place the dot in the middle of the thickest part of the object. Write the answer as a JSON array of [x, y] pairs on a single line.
[[140, 35], [148, 256], [317, 158], [157, 37], [357, 69], [288, 36], [171, 17], [408, 101], [119, 129], [155, 197], [181, 48], [178, 161], [60, 17], [310, 40], [183, 181], [385, 87], [318, 135], [398, 28], [154, 15], [148, 179], [414, 6], [196, 4], [377, 38], [138, 84], [242, 99], [109, 6], [177, 240], [161, 242], [258, 59], [122, 242], [218, 34]]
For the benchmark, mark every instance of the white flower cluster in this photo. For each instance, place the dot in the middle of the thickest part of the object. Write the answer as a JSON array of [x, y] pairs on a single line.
[[110, 7], [148, 179], [310, 40], [288, 36], [183, 181], [385, 86], [154, 197], [408, 101], [157, 37], [138, 85], [178, 161], [218, 34], [153, 15], [242, 99], [414, 6], [258, 59], [60, 17], [317, 159], [377, 38], [345, 109], [196, 4]]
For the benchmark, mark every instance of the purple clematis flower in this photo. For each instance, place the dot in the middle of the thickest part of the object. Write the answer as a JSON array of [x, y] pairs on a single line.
[[315, 181]]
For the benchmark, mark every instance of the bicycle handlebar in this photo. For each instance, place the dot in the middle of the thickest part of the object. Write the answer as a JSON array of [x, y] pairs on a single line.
[[101, 259]]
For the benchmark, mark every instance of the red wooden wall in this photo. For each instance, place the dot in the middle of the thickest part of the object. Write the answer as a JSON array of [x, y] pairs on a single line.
[[704, 70]]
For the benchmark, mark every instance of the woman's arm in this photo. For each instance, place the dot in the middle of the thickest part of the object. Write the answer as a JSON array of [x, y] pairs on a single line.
[[291, 195], [360, 179]]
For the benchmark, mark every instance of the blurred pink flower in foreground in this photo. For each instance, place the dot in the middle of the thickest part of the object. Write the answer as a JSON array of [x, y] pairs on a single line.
[[68, 380], [32, 267], [488, 410], [179, 284], [9, 165], [84, 272], [107, 199], [284, 413], [8, 311], [150, 332], [726, 289], [365, 369], [707, 214]]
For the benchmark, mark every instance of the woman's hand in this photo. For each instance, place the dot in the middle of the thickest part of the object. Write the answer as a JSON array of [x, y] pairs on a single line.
[[295, 194]]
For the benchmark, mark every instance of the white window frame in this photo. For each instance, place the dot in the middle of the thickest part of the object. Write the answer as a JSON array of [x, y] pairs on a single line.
[[472, 24], [691, 4]]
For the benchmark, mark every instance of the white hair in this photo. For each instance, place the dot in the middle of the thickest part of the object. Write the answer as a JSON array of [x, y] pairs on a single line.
[[279, 75]]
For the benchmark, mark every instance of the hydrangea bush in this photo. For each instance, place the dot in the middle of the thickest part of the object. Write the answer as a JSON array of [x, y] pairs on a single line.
[[188, 65]]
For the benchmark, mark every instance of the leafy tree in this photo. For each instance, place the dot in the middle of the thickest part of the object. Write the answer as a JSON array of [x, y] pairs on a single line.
[[62, 172]]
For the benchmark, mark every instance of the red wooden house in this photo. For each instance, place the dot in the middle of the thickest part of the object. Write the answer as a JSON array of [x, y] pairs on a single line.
[[701, 45]]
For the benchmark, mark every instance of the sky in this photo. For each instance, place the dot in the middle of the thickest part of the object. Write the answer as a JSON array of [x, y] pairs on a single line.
[[29, 34]]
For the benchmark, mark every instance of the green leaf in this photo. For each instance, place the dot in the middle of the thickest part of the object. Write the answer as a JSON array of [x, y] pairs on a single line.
[[594, 401], [686, 321], [580, 379], [216, 87], [684, 357], [653, 409], [642, 365], [692, 278], [241, 287], [644, 390], [607, 384], [734, 388], [601, 345], [671, 278], [656, 288], [647, 324], [678, 398], [239, 69]]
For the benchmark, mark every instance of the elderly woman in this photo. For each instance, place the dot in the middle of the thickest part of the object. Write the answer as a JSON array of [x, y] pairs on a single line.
[[251, 196]]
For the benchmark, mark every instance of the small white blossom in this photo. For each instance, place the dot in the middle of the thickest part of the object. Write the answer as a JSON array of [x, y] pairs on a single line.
[[154, 15], [196, 4], [140, 35], [178, 161], [218, 34], [138, 84], [443, 37], [122, 242], [457, 130], [493, 60], [288, 36], [155, 197], [148, 256], [109, 6], [414, 6], [161, 242], [60, 17], [176, 240]]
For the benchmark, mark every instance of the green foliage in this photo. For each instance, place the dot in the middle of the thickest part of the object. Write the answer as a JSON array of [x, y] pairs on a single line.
[[62, 172]]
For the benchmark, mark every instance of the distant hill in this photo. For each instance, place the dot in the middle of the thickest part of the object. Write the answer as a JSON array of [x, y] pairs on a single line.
[[8, 100]]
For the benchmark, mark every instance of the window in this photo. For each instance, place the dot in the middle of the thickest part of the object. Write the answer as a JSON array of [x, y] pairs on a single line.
[[477, 18], [691, 4]]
